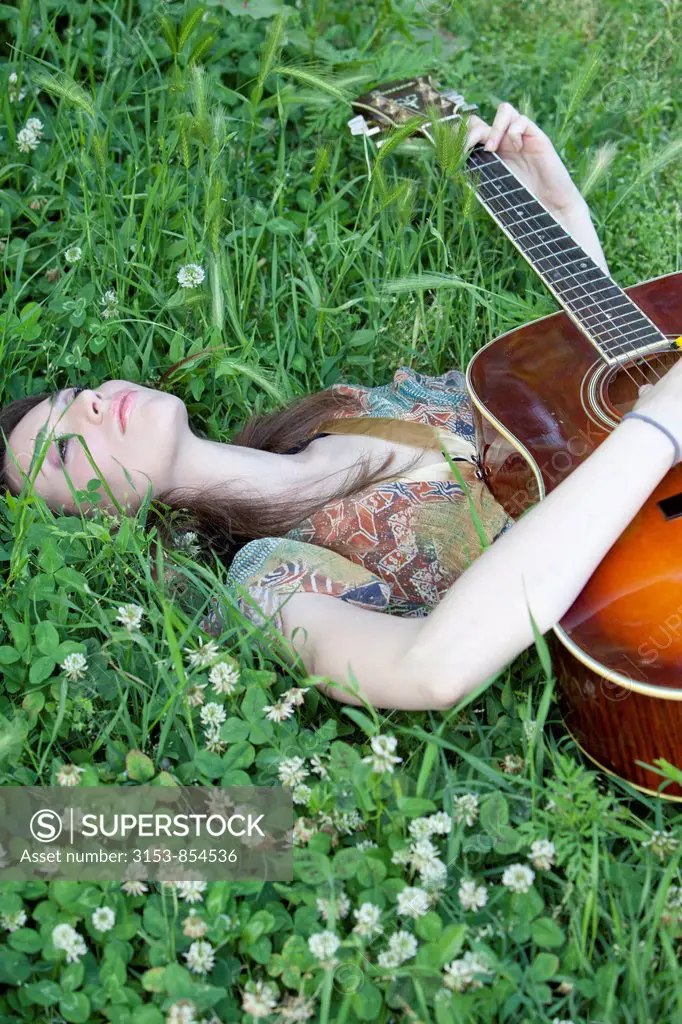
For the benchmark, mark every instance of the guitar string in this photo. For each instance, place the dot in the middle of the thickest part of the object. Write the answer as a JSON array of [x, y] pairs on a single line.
[[581, 292], [560, 275], [617, 327], [556, 252], [627, 336]]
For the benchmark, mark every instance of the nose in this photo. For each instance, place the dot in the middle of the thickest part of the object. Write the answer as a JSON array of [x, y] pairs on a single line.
[[88, 403]]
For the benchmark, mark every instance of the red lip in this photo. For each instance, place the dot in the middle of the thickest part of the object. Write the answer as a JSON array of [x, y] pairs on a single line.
[[122, 403]]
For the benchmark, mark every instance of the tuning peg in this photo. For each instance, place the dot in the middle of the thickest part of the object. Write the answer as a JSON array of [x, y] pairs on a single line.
[[457, 98], [358, 126]]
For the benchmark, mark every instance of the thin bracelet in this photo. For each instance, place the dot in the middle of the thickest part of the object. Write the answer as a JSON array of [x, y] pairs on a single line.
[[654, 423]]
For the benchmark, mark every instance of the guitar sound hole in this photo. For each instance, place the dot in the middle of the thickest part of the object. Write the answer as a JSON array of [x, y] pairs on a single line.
[[671, 507], [622, 384]]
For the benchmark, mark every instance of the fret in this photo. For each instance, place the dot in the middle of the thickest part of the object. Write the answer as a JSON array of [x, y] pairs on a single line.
[[581, 263], [603, 309], [631, 334], [629, 325]]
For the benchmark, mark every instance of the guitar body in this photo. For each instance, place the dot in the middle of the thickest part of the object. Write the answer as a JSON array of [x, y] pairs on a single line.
[[544, 399], [545, 396]]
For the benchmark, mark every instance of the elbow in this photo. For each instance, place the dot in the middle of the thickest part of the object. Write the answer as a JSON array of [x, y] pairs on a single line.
[[439, 694]]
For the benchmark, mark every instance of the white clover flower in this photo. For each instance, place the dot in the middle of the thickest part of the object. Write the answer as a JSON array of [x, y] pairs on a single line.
[[302, 832], [214, 743], [36, 126], [195, 694], [224, 676], [317, 766], [12, 922], [192, 891], [292, 770], [673, 897], [203, 655], [513, 764], [69, 775], [188, 542], [366, 844], [382, 757], [184, 1011], [440, 823], [212, 715], [110, 302], [67, 938], [412, 902], [323, 945], [301, 793], [200, 957], [420, 828], [194, 926], [103, 919], [466, 808], [661, 843], [259, 998], [342, 904], [472, 896], [130, 616], [27, 141], [542, 853], [191, 275], [388, 959], [419, 854], [134, 887], [74, 667], [62, 935], [73, 254], [347, 821], [368, 916], [469, 972], [401, 946], [433, 876], [15, 94], [294, 695], [297, 1008], [518, 877], [279, 711], [529, 727]]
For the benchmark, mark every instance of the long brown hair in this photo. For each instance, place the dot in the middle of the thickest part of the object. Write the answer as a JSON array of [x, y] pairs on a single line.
[[226, 522]]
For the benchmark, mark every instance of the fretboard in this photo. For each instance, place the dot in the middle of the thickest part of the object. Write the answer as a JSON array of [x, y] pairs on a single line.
[[603, 312]]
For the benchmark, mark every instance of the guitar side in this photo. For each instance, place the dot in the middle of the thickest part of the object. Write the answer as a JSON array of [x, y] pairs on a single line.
[[543, 401]]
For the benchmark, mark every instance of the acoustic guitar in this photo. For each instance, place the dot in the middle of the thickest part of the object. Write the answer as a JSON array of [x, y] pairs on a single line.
[[545, 395]]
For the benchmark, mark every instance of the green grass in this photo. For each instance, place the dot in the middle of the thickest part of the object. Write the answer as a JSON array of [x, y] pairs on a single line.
[[172, 137]]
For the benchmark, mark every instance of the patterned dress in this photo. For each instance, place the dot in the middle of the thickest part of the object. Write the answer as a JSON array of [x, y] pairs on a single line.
[[395, 547]]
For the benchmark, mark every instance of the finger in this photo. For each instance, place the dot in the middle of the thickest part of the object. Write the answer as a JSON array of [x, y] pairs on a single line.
[[503, 118], [516, 130], [477, 131]]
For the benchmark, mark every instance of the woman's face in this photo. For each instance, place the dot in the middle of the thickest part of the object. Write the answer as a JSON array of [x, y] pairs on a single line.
[[128, 429]]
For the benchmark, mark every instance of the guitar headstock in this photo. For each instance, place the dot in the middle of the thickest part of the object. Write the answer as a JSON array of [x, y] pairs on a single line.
[[394, 103]]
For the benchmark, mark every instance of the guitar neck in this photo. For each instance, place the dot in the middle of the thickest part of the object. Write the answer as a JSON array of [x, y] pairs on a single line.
[[614, 324]]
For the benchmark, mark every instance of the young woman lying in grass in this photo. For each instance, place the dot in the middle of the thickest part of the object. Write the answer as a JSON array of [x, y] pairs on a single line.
[[268, 480]]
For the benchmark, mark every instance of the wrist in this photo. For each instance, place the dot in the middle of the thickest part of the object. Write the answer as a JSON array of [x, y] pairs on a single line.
[[650, 438], [573, 206]]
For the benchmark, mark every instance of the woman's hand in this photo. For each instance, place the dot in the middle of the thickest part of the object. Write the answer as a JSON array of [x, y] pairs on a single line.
[[529, 154]]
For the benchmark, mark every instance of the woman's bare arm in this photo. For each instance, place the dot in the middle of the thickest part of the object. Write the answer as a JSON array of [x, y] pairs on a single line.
[[530, 154], [483, 622]]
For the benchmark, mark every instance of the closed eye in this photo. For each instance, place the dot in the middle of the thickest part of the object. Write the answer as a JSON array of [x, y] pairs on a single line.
[[62, 442]]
